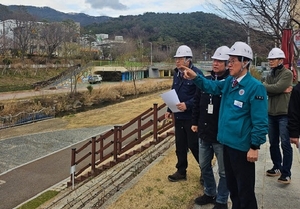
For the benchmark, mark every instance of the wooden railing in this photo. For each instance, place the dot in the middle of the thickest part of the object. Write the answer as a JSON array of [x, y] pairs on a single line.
[[120, 143]]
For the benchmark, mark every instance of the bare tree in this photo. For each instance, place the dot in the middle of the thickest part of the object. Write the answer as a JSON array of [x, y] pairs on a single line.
[[25, 27], [131, 54], [52, 35], [70, 48], [6, 39], [122, 52], [71, 31], [269, 16]]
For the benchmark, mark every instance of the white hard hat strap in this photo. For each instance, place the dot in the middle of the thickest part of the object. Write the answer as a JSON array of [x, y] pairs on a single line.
[[187, 60], [242, 64], [246, 64]]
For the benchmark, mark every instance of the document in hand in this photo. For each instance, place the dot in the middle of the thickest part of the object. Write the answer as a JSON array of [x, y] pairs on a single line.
[[171, 100]]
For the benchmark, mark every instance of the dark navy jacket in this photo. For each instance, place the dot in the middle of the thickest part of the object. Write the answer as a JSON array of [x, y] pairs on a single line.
[[294, 113], [207, 123], [185, 90]]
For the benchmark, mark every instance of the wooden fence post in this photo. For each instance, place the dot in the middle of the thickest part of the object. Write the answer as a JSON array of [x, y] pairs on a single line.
[[93, 154], [73, 160], [155, 113], [117, 130]]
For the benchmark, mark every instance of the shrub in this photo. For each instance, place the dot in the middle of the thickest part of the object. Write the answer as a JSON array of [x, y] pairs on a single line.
[[255, 73], [90, 89], [6, 61]]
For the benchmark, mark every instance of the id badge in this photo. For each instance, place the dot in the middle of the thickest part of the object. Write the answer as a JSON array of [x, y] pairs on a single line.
[[210, 108]]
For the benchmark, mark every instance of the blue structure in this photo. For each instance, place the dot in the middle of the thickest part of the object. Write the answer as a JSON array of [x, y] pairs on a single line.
[[110, 73]]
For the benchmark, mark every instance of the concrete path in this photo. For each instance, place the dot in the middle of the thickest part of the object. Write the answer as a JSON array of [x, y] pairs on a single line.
[[22, 182], [32, 163], [269, 193]]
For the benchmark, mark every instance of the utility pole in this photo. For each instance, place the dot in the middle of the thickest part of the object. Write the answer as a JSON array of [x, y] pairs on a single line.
[[3, 35], [205, 53], [151, 53], [248, 34]]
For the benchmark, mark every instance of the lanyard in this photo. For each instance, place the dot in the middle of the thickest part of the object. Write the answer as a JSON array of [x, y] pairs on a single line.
[[210, 95]]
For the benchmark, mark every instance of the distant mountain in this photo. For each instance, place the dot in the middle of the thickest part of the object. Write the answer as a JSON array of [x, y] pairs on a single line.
[[52, 15], [200, 30]]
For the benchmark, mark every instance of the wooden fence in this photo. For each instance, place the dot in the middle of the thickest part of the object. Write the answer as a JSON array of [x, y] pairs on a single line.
[[120, 143]]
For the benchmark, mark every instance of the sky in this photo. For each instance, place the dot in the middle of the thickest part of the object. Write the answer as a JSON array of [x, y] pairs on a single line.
[[116, 8]]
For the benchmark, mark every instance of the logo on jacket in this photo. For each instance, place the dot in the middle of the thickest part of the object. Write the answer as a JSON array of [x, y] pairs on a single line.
[[241, 92], [259, 97]]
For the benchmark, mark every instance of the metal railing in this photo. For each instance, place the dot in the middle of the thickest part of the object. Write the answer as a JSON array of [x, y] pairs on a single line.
[[120, 143], [71, 71], [26, 117]]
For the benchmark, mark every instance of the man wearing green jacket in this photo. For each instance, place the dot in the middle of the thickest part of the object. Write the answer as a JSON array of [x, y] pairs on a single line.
[[277, 85], [243, 122]]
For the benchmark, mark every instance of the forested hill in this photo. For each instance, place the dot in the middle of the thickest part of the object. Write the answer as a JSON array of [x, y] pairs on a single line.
[[49, 14], [189, 28], [197, 29], [194, 29]]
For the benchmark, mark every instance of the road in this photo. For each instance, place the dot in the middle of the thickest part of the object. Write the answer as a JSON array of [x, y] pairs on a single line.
[[66, 89], [42, 92], [46, 164]]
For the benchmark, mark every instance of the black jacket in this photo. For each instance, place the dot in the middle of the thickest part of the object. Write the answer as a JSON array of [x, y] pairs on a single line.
[[207, 123], [294, 112], [185, 90]]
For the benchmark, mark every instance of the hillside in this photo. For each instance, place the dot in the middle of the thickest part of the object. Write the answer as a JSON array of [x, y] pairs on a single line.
[[49, 14], [189, 28], [199, 30]]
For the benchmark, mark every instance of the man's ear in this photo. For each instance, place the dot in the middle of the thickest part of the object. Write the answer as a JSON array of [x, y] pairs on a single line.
[[281, 61]]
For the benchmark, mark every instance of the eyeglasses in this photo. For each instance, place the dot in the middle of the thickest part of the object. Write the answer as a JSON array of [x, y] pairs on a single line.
[[231, 61]]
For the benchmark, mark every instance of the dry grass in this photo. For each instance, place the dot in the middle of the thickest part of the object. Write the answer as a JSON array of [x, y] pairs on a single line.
[[153, 190], [19, 75], [107, 93], [119, 113]]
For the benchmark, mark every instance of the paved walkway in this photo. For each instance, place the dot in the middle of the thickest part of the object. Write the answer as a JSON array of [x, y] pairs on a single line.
[[26, 181], [31, 164], [269, 193]]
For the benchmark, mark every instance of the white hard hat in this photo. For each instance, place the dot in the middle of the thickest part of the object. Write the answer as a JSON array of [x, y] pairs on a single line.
[[221, 53], [241, 49], [184, 51], [276, 53]]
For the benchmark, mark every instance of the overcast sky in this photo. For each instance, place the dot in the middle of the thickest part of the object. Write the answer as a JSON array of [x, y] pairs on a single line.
[[115, 8]]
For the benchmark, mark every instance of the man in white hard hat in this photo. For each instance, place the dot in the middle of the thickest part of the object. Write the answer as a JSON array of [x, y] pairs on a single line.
[[185, 138], [243, 122], [205, 122], [277, 84], [294, 114]]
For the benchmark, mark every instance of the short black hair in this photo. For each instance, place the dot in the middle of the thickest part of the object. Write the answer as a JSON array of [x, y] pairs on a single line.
[[240, 58]]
